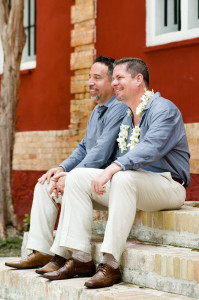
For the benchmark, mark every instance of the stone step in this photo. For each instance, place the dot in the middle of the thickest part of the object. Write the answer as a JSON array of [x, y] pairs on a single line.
[[162, 267], [27, 285], [172, 227]]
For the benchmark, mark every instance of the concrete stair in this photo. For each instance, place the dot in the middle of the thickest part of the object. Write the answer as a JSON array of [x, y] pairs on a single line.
[[176, 227], [161, 257], [27, 285], [162, 267]]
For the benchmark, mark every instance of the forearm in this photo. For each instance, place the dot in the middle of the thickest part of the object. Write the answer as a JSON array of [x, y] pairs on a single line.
[[112, 169]]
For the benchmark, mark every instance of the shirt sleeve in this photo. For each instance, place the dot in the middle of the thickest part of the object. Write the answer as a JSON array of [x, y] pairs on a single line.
[[101, 153], [163, 134], [75, 158]]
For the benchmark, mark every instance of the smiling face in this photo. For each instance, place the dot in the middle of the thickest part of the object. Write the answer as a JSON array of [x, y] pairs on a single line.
[[100, 84], [124, 85]]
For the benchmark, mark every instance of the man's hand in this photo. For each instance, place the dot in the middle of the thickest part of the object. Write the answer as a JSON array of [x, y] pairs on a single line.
[[58, 184], [47, 176], [97, 184]]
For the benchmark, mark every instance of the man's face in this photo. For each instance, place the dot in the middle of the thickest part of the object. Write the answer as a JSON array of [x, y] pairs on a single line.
[[124, 85], [99, 83]]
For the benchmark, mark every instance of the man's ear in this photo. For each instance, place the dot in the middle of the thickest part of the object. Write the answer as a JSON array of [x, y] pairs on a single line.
[[139, 79]]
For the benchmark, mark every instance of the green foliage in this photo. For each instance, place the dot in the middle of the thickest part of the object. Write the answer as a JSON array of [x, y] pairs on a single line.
[[26, 222], [11, 246]]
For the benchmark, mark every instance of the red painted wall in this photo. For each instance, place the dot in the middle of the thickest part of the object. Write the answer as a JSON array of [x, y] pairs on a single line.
[[23, 188], [121, 32], [45, 91]]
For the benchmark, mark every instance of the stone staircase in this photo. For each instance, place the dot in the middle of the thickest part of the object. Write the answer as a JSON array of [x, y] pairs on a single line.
[[161, 261]]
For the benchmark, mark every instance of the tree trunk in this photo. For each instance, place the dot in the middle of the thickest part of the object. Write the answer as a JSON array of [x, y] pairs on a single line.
[[13, 41]]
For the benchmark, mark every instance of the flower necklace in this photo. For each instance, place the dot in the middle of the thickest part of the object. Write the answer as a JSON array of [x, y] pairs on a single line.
[[123, 134]]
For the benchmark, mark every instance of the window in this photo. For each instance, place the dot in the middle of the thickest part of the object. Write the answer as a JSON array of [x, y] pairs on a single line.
[[171, 21], [29, 51]]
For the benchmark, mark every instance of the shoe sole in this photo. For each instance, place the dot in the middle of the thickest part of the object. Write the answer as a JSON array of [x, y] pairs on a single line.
[[40, 272], [98, 287], [81, 275], [22, 268]]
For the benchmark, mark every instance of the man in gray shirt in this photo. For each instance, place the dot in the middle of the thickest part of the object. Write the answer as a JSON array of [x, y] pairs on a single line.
[[97, 150], [150, 173]]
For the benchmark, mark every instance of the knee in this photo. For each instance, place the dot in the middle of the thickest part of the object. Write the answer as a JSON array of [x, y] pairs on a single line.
[[122, 179], [76, 176], [43, 187]]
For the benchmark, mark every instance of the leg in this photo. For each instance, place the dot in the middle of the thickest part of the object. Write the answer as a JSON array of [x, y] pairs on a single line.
[[74, 229], [137, 189], [43, 217], [130, 190]]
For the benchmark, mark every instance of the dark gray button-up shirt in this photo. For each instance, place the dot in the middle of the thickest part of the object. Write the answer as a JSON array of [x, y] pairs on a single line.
[[162, 144], [97, 149]]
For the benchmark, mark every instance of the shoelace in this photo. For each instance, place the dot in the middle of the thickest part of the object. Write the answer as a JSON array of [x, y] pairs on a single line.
[[54, 258], [102, 268]]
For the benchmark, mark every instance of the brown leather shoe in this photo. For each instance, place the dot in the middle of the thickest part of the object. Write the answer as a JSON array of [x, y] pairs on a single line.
[[104, 276], [33, 260], [54, 264], [72, 267]]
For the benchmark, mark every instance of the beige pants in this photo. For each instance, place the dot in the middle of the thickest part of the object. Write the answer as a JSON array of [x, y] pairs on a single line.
[[127, 191], [43, 218]]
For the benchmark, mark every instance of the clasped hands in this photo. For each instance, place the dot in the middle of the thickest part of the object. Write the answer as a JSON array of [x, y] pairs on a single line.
[[58, 177]]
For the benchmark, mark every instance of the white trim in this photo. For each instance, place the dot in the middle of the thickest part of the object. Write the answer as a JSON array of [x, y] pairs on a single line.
[[184, 34], [24, 65], [28, 65]]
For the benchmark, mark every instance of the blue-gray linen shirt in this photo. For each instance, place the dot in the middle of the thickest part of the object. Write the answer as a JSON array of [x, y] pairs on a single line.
[[97, 149], [163, 143]]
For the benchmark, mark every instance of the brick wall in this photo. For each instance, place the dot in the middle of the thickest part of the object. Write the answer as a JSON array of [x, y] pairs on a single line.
[[192, 131]]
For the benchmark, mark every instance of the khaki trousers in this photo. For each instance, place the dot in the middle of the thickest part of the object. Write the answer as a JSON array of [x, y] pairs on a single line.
[[127, 191], [43, 218]]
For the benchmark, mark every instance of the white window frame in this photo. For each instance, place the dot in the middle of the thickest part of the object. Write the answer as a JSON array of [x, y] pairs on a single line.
[[26, 65], [184, 34]]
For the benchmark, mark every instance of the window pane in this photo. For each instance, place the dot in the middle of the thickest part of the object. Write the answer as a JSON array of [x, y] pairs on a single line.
[[167, 16], [193, 14], [29, 25]]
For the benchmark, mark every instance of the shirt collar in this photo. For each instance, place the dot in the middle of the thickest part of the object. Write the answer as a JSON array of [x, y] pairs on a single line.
[[156, 95], [108, 103], [101, 109]]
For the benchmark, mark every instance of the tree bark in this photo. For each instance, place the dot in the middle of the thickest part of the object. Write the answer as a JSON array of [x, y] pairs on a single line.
[[13, 41]]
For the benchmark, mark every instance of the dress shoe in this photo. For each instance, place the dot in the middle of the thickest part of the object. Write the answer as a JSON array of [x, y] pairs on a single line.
[[54, 264], [104, 276], [33, 260], [72, 268]]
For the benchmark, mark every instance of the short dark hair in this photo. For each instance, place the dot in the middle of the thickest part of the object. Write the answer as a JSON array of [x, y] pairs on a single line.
[[135, 66], [108, 61]]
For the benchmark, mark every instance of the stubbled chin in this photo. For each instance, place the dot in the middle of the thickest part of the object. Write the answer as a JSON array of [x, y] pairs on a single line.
[[94, 99], [118, 97]]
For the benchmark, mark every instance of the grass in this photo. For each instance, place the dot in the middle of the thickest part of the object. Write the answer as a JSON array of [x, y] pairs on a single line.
[[11, 247]]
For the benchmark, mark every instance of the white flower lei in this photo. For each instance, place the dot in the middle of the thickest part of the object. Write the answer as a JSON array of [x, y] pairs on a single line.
[[123, 134], [122, 137]]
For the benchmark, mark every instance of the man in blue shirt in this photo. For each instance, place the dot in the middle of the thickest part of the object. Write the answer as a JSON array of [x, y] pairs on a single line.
[[97, 150], [150, 173]]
